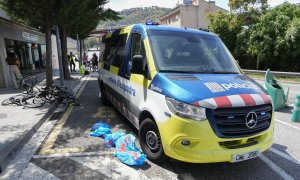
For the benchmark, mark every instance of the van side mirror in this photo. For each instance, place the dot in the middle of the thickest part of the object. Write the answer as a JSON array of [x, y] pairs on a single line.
[[138, 65]]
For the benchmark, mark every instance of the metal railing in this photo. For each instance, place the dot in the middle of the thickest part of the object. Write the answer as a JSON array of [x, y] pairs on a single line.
[[277, 73]]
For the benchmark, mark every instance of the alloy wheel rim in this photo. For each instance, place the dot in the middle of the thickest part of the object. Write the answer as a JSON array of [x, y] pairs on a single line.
[[152, 140]]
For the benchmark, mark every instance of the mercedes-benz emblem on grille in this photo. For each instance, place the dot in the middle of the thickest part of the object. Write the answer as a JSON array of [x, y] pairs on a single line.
[[251, 120]]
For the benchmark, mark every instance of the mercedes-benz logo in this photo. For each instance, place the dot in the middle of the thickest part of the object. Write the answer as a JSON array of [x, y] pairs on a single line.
[[251, 120]]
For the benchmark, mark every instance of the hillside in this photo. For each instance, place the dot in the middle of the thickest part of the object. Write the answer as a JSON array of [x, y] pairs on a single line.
[[136, 15]]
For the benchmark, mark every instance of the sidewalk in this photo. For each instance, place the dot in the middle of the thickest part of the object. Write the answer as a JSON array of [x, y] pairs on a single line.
[[18, 124]]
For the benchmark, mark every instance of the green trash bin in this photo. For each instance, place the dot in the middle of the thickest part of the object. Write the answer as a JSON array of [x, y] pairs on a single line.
[[278, 93]]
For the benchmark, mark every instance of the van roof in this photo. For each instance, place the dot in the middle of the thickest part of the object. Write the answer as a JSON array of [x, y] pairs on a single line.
[[160, 27], [169, 28]]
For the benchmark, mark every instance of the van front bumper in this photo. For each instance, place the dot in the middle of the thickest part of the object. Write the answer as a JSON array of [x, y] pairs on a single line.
[[205, 146]]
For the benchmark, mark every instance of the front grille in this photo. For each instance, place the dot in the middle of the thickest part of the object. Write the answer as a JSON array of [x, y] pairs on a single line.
[[235, 144], [231, 122], [230, 143]]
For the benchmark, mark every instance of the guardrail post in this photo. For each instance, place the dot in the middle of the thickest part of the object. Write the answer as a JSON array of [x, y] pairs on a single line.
[[296, 111]]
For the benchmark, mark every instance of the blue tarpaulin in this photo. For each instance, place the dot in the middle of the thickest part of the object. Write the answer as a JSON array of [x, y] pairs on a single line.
[[126, 149], [110, 139]]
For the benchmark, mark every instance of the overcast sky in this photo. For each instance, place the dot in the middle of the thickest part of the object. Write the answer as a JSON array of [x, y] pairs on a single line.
[[119, 5]]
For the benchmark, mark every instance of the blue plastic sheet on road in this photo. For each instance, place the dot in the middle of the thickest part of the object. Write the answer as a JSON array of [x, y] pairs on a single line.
[[110, 139], [98, 125], [127, 151], [100, 132]]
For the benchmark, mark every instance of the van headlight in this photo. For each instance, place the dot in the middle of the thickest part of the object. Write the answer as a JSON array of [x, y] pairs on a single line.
[[186, 110]]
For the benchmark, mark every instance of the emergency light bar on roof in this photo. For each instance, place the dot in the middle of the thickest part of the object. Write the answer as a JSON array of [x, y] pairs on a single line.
[[152, 23]]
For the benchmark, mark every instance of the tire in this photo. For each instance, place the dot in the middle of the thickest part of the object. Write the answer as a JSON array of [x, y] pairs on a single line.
[[17, 100], [27, 84], [150, 141], [24, 86], [7, 102], [104, 99]]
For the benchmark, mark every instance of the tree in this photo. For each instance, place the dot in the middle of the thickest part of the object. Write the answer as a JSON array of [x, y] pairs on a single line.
[[242, 6], [37, 13], [274, 40], [227, 26], [80, 17], [292, 38], [261, 38]]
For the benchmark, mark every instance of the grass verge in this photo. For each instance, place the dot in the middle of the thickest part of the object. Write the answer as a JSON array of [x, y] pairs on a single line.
[[280, 78]]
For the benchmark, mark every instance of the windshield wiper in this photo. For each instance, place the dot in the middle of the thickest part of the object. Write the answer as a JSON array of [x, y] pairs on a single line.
[[222, 72], [177, 71], [198, 72]]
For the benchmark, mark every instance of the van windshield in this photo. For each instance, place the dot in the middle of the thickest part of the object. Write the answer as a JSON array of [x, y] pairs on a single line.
[[189, 52]]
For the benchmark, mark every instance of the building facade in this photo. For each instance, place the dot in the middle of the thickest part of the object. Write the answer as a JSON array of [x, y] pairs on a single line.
[[27, 43], [191, 15], [30, 46]]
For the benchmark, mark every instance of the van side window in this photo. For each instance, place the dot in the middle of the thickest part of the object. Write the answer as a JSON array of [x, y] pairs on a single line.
[[117, 51], [137, 46], [104, 55]]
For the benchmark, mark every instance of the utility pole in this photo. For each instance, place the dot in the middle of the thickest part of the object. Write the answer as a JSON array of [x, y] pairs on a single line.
[[61, 71]]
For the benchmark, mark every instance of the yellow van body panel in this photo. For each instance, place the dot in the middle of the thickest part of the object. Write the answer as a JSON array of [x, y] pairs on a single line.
[[114, 70], [150, 58], [205, 146]]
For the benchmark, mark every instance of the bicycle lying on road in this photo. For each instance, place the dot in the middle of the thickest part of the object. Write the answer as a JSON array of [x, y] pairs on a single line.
[[33, 96]]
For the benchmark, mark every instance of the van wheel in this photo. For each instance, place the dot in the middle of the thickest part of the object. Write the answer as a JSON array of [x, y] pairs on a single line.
[[150, 141], [104, 99]]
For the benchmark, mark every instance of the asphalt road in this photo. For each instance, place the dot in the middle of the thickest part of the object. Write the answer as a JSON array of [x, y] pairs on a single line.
[[69, 152]]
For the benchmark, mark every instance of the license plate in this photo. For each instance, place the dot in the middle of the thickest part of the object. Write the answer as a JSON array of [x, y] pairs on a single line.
[[245, 156]]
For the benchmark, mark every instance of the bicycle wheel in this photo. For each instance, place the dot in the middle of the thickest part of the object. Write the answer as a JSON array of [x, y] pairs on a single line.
[[27, 84], [7, 102], [35, 102], [17, 99]]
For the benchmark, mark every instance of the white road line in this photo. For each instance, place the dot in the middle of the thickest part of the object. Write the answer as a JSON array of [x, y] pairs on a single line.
[[112, 168], [276, 168], [187, 176], [42, 156], [287, 124], [288, 157], [171, 174], [34, 172]]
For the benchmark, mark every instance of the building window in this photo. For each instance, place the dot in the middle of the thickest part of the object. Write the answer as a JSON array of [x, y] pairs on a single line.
[[31, 55]]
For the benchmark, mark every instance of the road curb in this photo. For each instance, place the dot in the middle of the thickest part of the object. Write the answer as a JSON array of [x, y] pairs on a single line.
[[13, 148]]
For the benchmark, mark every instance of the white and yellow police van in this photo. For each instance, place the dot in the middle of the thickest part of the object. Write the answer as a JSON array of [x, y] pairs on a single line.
[[184, 92]]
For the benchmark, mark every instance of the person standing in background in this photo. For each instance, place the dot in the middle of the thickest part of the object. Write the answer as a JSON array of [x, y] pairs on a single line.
[[95, 62], [72, 62], [84, 59], [13, 62]]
